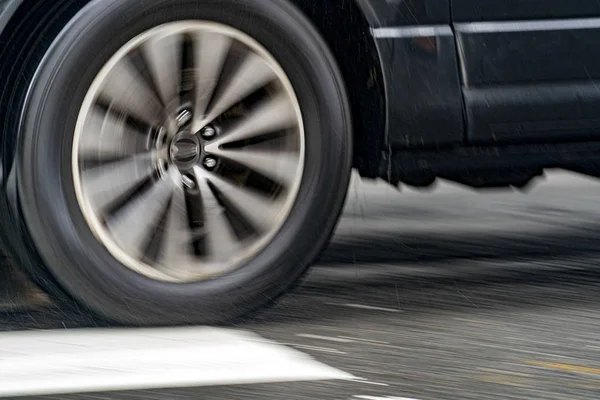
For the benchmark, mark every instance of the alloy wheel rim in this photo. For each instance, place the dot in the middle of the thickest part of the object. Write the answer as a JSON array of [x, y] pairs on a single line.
[[188, 151]]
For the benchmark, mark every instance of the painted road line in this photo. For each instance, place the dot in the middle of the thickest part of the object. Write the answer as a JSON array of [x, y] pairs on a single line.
[[325, 338], [365, 307], [368, 382], [580, 369], [93, 360], [355, 339]]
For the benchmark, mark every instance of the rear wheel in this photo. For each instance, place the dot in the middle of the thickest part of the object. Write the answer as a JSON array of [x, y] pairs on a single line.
[[188, 167]]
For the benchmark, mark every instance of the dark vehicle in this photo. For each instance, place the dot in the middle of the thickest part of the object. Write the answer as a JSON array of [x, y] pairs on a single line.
[[184, 161]]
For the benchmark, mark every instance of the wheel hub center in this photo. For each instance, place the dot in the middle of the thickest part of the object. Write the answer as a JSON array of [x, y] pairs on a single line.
[[185, 150]]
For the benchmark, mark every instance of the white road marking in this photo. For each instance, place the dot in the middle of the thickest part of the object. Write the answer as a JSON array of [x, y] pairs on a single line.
[[366, 307], [363, 340], [92, 360], [368, 382], [373, 383], [329, 338]]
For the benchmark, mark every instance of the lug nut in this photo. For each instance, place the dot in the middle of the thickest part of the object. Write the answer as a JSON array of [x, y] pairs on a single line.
[[183, 117], [210, 162], [188, 182], [208, 132]]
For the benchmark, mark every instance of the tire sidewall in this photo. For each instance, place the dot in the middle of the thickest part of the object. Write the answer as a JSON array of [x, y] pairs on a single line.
[[70, 250]]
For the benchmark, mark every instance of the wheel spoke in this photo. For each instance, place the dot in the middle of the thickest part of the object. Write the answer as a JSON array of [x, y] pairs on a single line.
[[108, 137], [221, 240], [107, 183], [261, 211], [126, 91], [276, 113], [133, 225], [176, 255], [210, 51], [279, 166], [163, 55], [252, 74]]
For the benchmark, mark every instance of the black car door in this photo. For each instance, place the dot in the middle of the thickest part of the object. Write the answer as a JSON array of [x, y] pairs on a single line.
[[419, 60], [530, 69]]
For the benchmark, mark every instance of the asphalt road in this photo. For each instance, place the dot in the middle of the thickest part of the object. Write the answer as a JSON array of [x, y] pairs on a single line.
[[442, 294]]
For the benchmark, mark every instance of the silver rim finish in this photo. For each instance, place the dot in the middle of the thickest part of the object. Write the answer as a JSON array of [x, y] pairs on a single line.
[[188, 151]]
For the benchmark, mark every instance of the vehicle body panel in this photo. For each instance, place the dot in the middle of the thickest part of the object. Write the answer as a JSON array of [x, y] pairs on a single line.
[[509, 10], [385, 13], [418, 57], [528, 75], [422, 86]]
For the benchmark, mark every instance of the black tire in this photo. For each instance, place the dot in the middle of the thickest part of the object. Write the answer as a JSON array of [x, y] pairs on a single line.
[[78, 262]]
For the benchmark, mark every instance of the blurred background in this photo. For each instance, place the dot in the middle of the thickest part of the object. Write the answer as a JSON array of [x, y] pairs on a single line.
[[440, 294]]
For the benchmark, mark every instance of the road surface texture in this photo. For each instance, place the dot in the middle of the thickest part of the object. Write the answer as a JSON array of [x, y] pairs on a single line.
[[429, 295]]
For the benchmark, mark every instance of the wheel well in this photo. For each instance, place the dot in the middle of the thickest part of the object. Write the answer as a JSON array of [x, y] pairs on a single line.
[[347, 32], [345, 29]]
